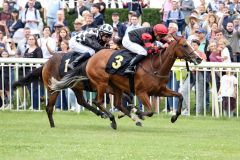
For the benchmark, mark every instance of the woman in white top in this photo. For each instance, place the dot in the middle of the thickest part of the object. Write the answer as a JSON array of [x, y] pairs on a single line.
[[42, 42], [225, 54]]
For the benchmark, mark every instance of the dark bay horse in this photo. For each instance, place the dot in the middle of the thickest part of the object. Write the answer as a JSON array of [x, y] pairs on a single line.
[[151, 76], [51, 70]]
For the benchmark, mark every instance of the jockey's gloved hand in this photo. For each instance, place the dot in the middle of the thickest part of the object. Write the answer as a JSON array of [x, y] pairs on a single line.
[[153, 49]]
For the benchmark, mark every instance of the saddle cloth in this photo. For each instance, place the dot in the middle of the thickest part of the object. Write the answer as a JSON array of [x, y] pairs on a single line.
[[119, 61], [66, 59]]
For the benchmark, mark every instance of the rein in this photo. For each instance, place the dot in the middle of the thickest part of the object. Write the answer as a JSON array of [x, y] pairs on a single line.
[[154, 71]]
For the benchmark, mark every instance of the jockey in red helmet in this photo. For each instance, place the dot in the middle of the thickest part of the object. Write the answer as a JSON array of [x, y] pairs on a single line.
[[140, 41]]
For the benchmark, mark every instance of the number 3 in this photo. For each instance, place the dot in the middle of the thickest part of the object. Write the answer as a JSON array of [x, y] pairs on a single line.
[[117, 62]]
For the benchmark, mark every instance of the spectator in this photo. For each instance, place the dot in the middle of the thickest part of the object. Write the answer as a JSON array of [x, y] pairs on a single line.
[[98, 17], [42, 42], [211, 19], [89, 4], [134, 5], [118, 27], [77, 27], [228, 92], [213, 6], [191, 21], [227, 17], [146, 24], [102, 7], [34, 51], [221, 10], [57, 28], [81, 7], [4, 90], [37, 5], [222, 48], [167, 7], [215, 56], [13, 5], [195, 32], [186, 6], [84, 16], [14, 23], [110, 3], [51, 10], [212, 33], [31, 17], [175, 15], [63, 35], [233, 38], [134, 23], [5, 15], [218, 36], [89, 22], [203, 41], [22, 44], [192, 80], [61, 18]]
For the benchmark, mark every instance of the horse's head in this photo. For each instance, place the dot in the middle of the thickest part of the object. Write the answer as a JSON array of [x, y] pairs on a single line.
[[184, 50]]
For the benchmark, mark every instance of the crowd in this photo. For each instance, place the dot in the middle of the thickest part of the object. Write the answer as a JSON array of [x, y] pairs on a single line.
[[34, 30]]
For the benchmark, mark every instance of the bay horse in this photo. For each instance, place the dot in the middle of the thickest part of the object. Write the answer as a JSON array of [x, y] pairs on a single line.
[[51, 70], [151, 75]]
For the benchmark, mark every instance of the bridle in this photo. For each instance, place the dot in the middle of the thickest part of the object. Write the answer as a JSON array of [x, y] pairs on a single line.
[[155, 71]]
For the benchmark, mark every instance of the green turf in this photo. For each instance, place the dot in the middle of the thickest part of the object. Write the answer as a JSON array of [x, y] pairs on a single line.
[[27, 135]]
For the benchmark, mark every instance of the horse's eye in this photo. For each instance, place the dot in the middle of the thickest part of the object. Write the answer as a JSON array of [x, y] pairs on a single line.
[[185, 45]]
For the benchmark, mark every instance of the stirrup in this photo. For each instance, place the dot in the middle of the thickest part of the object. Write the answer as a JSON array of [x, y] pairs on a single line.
[[129, 71]]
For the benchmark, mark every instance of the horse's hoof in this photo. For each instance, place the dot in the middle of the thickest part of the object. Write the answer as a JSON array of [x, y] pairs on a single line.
[[120, 115], [150, 114], [141, 117], [174, 118], [104, 116], [114, 125], [139, 124]]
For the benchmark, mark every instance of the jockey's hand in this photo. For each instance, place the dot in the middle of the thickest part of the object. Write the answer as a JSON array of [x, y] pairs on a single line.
[[155, 49], [165, 45]]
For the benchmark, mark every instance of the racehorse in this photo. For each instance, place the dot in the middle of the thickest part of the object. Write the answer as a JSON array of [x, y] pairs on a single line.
[[51, 69], [151, 75]]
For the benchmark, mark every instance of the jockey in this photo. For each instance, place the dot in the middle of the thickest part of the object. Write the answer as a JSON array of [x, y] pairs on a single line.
[[91, 41], [140, 40]]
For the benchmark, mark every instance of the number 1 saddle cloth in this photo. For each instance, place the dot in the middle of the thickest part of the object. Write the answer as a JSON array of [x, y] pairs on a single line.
[[119, 61], [66, 59]]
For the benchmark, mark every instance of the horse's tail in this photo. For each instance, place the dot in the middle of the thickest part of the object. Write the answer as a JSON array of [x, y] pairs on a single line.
[[35, 75], [68, 81]]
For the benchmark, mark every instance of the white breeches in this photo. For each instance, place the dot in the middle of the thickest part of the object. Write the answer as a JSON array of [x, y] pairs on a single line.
[[133, 47]]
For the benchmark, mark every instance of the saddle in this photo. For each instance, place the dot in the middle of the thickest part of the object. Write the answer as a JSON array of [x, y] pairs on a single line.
[[119, 61]]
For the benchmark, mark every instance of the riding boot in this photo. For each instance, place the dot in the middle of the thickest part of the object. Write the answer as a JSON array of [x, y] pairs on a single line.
[[79, 60], [133, 63]]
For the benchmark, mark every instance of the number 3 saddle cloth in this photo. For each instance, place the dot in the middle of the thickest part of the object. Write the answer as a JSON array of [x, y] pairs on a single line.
[[119, 61]]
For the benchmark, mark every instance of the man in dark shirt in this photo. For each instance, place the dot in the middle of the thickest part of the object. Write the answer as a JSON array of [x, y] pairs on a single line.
[[98, 17]]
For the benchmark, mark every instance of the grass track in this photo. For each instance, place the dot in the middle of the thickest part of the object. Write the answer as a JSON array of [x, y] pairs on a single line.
[[27, 135]]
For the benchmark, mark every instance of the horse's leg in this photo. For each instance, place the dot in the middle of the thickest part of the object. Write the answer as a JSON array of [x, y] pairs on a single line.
[[49, 109], [81, 101], [170, 93], [118, 103], [101, 88], [146, 102]]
